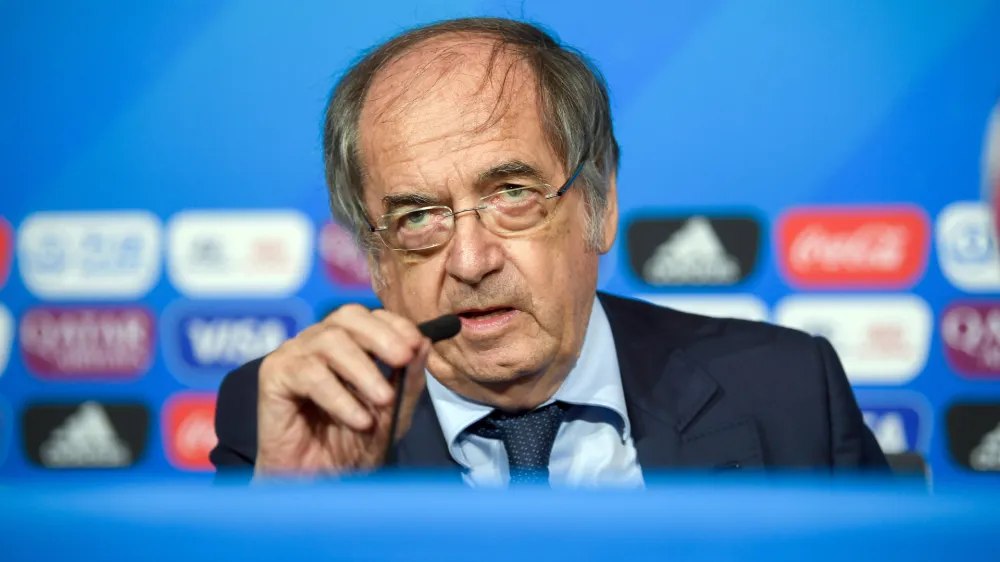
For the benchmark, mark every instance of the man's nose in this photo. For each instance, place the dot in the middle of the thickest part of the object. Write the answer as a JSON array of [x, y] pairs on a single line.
[[474, 251]]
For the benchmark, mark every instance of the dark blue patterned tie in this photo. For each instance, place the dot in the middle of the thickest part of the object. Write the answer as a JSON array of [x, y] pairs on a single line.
[[528, 438]]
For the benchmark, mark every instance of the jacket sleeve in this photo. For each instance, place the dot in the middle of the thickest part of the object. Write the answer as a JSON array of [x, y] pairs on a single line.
[[852, 443], [236, 422]]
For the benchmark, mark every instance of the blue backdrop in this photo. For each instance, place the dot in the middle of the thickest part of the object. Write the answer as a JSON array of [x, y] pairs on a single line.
[[721, 107]]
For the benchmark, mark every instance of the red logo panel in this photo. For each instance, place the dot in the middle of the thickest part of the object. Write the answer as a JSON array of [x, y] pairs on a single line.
[[6, 250], [72, 343], [971, 335], [344, 263], [189, 430], [861, 247]]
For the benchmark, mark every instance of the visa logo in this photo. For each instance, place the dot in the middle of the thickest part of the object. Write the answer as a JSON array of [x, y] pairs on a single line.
[[226, 342], [897, 429]]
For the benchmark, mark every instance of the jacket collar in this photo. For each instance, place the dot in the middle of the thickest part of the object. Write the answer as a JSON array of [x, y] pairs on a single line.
[[667, 390]]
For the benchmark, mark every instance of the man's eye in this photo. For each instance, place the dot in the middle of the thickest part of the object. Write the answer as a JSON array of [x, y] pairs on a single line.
[[415, 219], [515, 194]]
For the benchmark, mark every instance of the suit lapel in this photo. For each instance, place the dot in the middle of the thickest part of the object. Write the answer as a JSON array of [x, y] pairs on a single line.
[[671, 398], [424, 446]]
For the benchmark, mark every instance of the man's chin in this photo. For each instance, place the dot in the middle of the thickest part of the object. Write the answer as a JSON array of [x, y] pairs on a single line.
[[502, 363]]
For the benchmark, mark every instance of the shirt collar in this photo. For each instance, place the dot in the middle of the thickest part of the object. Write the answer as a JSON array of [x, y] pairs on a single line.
[[595, 380]]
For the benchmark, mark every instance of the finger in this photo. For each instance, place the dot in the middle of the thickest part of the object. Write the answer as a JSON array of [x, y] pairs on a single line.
[[417, 366], [312, 379], [351, 364], [375, 335], [407, 329]]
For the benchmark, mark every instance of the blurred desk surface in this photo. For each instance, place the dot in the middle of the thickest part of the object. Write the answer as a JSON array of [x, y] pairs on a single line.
[[397, 519]]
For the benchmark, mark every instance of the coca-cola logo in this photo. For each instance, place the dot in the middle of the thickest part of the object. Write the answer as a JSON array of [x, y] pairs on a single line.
[[196, 434], [870, 246], [345, 263], [971, 333], [87, 342], [189, 430], [874, 247]]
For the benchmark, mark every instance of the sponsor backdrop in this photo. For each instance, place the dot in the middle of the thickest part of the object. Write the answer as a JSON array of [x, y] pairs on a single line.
[[820, 165]]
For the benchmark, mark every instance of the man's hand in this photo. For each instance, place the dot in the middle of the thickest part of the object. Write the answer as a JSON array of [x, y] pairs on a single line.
[[323, 406]]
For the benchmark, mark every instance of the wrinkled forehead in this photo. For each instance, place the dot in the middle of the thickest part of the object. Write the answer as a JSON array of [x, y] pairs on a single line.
[[446, 94]]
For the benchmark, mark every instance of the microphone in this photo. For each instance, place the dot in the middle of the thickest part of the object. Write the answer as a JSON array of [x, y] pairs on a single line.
[[441, 328], [438, 329]]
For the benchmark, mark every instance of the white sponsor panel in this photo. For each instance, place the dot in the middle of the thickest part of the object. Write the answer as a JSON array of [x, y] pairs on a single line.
[[744, 307], [90, 255], [966, 246], [880, 339], [6, 337], [239, 254], [692, 255]]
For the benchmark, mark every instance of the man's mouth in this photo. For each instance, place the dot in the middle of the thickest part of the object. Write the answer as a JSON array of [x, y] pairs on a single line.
[[487, 322], [484, 313]]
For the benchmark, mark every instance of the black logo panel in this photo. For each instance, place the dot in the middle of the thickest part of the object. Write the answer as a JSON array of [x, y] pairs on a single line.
[[85, 435], [694, 250]]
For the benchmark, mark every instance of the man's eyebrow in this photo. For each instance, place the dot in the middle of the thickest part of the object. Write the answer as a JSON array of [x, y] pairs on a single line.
[[511, 169], [396, 200], [502, 171]]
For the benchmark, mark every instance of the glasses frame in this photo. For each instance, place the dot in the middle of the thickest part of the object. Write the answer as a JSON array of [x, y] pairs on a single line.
[[452, 213]]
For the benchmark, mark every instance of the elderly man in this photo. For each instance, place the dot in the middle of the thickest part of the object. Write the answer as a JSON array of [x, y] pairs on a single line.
[[476, 161]]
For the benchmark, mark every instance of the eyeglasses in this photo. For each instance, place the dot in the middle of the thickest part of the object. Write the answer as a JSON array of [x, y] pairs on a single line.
[[505, 212]]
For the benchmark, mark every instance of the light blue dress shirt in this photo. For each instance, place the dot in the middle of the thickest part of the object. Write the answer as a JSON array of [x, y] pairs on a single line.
[[594, 445]]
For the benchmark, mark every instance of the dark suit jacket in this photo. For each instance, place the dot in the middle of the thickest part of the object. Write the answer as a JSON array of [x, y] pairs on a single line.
[[701, 393]]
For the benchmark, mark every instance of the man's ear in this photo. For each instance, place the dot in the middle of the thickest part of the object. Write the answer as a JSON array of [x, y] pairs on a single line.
[[610, 216]]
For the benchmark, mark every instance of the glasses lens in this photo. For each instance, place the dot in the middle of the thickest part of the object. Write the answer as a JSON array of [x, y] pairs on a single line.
[[420, 228], [520, 208]]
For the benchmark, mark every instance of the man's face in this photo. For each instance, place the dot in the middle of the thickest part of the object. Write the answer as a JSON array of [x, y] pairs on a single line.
[[431, 126]]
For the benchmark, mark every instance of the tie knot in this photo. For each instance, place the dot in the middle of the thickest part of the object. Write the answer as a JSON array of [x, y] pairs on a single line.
[[528, 438]]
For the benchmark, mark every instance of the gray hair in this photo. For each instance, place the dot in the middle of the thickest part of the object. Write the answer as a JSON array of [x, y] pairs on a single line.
[[573, 95]]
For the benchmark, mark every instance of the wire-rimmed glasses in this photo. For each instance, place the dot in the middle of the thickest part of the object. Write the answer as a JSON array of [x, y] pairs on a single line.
[[505, 212]]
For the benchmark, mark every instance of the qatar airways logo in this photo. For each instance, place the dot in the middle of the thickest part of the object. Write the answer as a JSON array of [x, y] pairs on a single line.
[[971, 335], [85, 342]]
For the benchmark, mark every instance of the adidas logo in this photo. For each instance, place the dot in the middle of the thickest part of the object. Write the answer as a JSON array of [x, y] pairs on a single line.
[[986, 455], [86, 438], [693, 255]]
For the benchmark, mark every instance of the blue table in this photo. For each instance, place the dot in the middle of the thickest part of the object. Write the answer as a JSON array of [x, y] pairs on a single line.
[[395, 518]]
